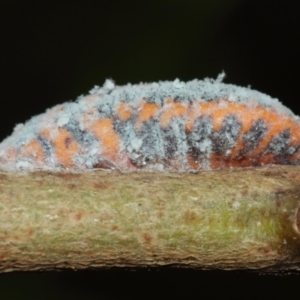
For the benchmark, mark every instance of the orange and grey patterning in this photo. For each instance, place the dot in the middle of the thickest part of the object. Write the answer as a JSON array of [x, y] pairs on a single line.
[[173, 126]]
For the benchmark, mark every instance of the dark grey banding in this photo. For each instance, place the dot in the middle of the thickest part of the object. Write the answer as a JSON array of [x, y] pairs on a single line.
[[199, 139], [122, 128], [174, 139], [291, 151], [149, 134], [279, 145], [106, 110], [142, 146], [169, 143], [83, 137], [225, 138], [126, 132], [178, 99], [47, 146], [253, 137], [155, 98]]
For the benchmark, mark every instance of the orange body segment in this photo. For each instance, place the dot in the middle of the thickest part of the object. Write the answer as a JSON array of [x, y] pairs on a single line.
[[147, 112], [173, 110], [34, 150], [194, 112], [66, 147], [124, 111], [104, 131]]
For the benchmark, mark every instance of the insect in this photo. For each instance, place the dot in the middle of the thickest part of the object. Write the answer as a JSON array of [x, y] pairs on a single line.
[[173, 126]]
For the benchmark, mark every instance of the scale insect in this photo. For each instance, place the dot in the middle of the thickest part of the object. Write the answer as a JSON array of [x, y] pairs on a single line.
[[172, 126]]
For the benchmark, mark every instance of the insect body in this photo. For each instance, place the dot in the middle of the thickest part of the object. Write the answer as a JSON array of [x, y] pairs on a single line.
[[172, 126]]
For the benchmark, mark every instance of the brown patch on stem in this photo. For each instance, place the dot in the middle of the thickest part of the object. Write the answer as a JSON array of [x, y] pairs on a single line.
[[147, 238], [189, 216], [71, 186], [244, 192], [30, 232], [78, 216], [100, 185], [3, 177], [66, 176]]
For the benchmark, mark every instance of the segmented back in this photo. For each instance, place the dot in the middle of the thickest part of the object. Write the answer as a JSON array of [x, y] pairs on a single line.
[[172, 126]]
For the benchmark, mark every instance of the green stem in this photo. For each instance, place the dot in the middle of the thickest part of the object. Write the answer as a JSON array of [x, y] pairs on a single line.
[[220, 219]]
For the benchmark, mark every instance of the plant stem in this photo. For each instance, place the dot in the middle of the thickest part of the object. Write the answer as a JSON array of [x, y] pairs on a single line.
[[241, 219]]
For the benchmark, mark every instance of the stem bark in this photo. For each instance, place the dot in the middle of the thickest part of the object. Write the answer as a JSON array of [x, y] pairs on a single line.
[[232, 219]]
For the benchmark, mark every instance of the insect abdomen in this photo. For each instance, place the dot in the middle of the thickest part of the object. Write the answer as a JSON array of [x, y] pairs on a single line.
[[140, 127]]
